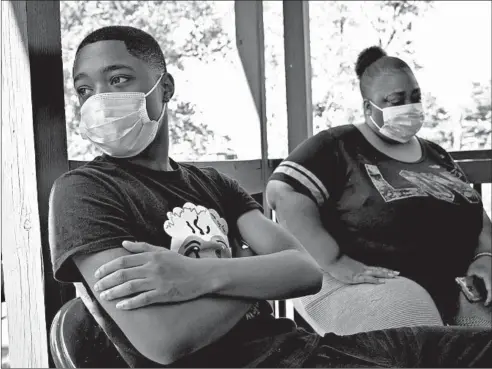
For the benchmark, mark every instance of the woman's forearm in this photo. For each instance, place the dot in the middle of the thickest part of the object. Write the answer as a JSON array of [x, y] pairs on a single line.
[[281, 275], [317, 241], [299, 215]]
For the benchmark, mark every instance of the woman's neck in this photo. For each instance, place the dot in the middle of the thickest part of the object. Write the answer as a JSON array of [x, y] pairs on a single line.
[[408, 152]]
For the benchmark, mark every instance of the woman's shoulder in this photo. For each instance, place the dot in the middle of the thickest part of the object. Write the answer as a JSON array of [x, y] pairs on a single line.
[[340, 132], [434, 148], [346, 132]]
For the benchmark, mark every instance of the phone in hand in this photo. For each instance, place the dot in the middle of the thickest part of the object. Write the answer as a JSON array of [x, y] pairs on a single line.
[[472, 287]]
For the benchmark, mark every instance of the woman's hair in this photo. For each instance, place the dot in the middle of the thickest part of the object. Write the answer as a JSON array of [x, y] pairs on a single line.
[[366, 58], [372, 62]]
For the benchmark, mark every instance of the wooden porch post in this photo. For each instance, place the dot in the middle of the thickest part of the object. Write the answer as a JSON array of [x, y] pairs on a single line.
[[34, 150], [21, 233], [297, 72], [298, 85], [251, 47], [50, 133]]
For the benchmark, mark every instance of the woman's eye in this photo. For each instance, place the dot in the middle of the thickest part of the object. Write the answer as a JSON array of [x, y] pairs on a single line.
[[119, 79]]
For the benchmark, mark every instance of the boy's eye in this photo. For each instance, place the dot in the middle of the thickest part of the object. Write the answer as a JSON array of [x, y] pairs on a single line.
[[83, 91], [119, 79]]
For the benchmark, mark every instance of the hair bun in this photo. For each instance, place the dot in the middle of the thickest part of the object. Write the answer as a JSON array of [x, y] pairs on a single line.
[[367, 57]]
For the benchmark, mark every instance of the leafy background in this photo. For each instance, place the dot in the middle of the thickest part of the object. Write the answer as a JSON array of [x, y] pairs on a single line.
[[198, 35]]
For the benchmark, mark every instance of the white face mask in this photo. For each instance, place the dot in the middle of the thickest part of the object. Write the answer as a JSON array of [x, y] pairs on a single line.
[[118, 122], [401, 122]]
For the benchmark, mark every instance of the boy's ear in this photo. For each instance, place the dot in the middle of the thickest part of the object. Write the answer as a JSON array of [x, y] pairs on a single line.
[[167, 83], [367, 107]]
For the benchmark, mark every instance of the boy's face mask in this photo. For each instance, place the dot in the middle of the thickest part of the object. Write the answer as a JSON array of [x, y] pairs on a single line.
[[118, 122], [402, 122]]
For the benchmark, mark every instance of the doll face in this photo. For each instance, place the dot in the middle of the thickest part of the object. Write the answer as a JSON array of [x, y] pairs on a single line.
[[198, 232]]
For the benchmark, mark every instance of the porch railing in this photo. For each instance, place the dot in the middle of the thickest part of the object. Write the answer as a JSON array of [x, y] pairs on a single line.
[[477, 165]]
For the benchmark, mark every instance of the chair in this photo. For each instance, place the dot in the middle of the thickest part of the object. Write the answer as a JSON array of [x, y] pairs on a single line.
[[77, 341]]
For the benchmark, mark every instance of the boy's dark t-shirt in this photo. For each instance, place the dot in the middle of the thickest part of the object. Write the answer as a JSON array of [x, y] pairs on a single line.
[[422, 219], [106, 201]]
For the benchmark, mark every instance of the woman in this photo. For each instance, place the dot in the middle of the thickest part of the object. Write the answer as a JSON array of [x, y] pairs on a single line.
[[389, 216]]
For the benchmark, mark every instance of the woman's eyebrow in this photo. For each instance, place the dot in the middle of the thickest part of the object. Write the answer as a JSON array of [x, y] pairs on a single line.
[[395, 94]]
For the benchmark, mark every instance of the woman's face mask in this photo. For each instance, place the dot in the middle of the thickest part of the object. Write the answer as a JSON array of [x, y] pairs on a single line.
[[118, 122], [400, 123]]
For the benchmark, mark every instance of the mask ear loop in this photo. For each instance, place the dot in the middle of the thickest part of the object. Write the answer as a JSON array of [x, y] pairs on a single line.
[[162, 112], [152, 90], [372, 119], [155, 86]]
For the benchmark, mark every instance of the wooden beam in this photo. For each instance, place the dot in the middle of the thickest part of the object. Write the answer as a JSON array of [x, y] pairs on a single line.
[[251, 48], [477, 171], [297, 72], [50, 137], [471, 154], [247, 172], [21, 228], [477, 165]]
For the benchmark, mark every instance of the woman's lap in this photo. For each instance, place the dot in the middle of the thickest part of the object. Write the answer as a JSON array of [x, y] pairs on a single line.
[[472, 314], [348, 309]]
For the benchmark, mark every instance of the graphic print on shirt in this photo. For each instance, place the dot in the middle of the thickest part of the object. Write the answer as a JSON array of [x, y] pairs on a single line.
[[442, 186], [199, 232]]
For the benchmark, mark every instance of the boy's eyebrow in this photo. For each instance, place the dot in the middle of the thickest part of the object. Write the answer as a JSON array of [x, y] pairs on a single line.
[[79, 76], [114, 67], [106, 69]]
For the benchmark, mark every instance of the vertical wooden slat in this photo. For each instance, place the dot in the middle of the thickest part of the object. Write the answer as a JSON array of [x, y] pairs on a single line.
[[297, 79], [250, 44], [251, 49], [50, 138], [21, 229], [478, 188], [297, 72]]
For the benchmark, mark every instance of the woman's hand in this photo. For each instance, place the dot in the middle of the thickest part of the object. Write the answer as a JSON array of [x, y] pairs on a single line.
[[152, 275], [350, 271], [482, 268]]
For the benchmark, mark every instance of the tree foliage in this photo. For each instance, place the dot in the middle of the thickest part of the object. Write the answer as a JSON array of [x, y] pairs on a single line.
[[343, 29], [339, 31]]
